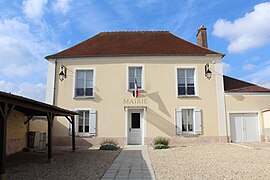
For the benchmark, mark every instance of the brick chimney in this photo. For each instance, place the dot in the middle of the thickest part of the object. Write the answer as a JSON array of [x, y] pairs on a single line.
[[202, 37]]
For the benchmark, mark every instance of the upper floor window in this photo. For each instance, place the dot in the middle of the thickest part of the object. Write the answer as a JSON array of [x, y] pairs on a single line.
[[186, 82], [134, 73], [84, 83]]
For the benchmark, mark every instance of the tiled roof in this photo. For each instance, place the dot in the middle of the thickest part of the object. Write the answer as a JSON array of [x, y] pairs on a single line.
[[235, 85], [133, 43]]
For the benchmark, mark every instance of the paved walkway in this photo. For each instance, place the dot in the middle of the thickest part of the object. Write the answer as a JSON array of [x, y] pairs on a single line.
[[132, 163]]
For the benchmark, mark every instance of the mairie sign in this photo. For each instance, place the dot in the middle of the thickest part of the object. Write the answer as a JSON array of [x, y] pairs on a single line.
[[135, 101]]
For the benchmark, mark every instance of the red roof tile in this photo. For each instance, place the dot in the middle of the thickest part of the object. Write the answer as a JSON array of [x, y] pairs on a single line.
[[133, 43], [235, 85]]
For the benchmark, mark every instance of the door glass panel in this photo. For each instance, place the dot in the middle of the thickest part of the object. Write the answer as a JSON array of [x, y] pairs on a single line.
[[135, 120]]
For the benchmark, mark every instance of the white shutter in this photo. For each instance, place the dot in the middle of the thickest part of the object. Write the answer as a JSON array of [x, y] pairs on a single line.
[[93, 122], [178, 120], [197, 121]]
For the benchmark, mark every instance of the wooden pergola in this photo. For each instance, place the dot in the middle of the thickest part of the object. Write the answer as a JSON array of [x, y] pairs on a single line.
[[30, 108]]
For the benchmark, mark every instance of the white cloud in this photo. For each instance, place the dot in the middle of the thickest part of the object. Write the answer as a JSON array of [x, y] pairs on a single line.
[[248, 67], [34, 91], [22, 50], [29, 90], [250, 31], [260, 77], [6, 86], [226, 68], [34, 9], [62, 6]]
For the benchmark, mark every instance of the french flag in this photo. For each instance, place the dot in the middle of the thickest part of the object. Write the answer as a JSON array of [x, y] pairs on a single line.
[[136, 91]]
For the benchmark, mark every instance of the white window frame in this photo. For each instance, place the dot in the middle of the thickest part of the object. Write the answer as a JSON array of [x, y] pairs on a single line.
[[193, 121], [83, 133], [77, 123], [196, 88], [127, 75], [74, 82]]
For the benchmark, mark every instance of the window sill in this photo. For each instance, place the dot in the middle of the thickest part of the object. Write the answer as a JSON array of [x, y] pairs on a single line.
[[84, 97], [188, 134], [85, 135], [188, 96], [131, 90]]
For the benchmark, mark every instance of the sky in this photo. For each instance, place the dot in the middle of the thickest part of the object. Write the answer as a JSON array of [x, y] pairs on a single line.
[[33, 29]]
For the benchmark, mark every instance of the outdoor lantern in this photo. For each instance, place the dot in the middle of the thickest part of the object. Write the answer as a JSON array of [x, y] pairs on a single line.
[[63, 73], [208, 72]]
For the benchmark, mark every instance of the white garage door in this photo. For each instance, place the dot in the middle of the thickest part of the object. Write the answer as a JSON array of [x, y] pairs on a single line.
[[244, 127]]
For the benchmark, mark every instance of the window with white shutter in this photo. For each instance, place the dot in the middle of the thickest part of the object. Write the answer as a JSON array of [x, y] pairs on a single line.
[[188, 121], [86, 123]]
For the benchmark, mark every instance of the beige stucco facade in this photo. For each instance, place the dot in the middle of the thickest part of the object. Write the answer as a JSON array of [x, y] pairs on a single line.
[[16, 132], [158, 99]]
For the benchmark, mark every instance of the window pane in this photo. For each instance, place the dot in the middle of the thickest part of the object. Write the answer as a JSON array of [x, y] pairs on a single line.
[[131, 85], [131, 71], [89, 75], [190, 80], [184, 120], [181, 73], [190, 73], [139, 71], [80, 74], [190, 120], [181, 81], [86, 121], [89, 83], [190, 91], [79, 92], [135, 120], [181, 90], [80, 121], [80, 83], [89, 92]]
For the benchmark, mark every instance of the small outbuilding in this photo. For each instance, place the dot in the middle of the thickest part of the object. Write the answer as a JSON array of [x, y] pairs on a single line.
[[15, 112]]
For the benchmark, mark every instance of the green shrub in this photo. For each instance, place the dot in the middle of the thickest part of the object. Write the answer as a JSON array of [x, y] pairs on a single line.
[[161, 143], [109, 144], [160, 146]]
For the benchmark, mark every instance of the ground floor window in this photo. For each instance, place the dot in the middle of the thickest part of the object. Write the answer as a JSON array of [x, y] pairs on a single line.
[[85, 123], [188, 120]]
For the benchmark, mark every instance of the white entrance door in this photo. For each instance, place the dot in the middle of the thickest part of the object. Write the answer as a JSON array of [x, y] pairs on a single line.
[[244, 127], [135, 127]]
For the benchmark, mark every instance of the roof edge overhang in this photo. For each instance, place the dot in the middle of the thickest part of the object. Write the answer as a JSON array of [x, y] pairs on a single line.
[[134, 55]]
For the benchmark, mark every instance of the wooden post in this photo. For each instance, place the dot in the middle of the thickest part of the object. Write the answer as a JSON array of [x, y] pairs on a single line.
[[5, 111], [73, 132], [50, 117]]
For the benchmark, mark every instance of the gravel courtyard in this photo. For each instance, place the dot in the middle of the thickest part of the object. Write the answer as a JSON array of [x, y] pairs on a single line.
[[212, 161], [82, 164]]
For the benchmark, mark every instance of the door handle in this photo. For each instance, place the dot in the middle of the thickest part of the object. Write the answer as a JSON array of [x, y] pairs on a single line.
[[129, 129]]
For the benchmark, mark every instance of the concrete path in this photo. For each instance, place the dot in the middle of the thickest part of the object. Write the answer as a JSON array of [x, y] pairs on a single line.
[[132, 163]]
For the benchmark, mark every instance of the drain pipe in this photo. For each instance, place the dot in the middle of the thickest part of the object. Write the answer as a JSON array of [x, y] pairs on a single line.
[[54, 82]]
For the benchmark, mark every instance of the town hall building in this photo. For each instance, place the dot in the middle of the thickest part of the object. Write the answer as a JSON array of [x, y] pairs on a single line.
[[133, 86]]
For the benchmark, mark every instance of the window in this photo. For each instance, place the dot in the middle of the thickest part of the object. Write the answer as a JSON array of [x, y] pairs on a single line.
[[84, 83], [134, 73], [188, 120], [83, 124], [86, 122], [186, 84]]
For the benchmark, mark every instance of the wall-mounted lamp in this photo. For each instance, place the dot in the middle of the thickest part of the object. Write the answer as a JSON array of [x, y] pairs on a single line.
[[208, 72], [63, 73]]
